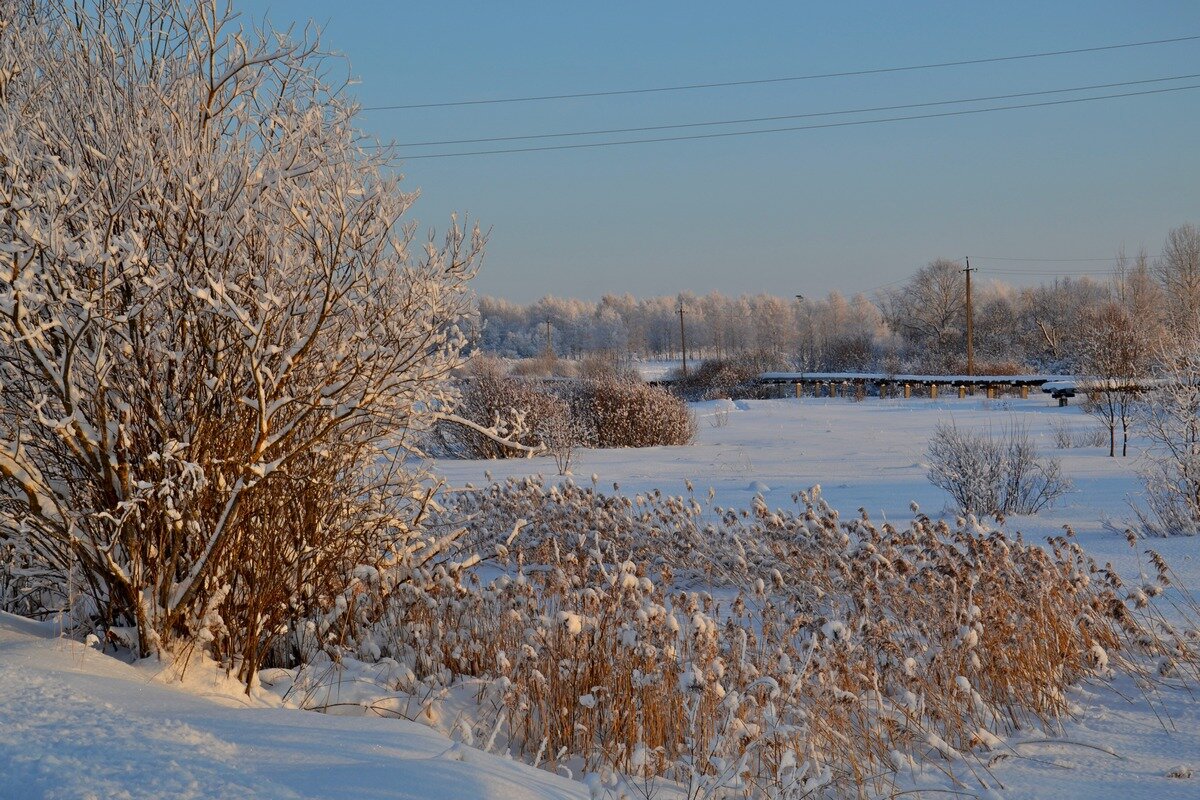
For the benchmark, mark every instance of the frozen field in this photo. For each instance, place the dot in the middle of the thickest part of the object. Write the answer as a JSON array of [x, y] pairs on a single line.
[[78, 724], [870, 455]]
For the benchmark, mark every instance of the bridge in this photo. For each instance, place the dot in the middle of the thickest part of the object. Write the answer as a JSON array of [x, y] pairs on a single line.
[[859, 384]]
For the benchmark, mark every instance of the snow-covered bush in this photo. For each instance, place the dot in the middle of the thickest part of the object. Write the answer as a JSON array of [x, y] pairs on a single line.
[[993, 475], [628, 413], [1066, 435], [1170, 417], [733, 378], [554, 418], [214, 338], [516, 409]]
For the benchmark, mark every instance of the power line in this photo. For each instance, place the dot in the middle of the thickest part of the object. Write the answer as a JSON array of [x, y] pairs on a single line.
[[759, 81], [1046, 260], [797, 116], [1036, 274], [874, 289], [727, 134]]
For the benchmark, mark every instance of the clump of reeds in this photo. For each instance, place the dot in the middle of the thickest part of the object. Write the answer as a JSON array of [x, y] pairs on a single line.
[[764, 653]]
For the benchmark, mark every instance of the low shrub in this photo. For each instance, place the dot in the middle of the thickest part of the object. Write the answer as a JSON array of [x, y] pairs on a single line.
[[517, 409], [547, 365], [993, 475], [628, 413], [732, 378], [1067, 436], [614, 410]]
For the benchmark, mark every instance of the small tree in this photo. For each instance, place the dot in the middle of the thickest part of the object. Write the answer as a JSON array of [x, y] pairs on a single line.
[[1170, 416], [1115, 356], [993, 475]]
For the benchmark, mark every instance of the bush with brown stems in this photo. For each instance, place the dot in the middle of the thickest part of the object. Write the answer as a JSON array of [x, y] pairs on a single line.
[[734, 378], [219, 336], [630, 413], [515, 409], [612, 410]]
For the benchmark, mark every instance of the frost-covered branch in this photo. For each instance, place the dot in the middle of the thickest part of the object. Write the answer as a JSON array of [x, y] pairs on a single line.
[[217, 334]]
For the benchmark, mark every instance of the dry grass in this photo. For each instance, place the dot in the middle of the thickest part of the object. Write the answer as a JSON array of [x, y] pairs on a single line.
[[822, 654]]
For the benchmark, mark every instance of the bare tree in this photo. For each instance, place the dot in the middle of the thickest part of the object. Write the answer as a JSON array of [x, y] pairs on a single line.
[[1139, 292], [1050, 320], [1115, 356], [1171, 419], [930, 313], [215, 337], [1179, 272]]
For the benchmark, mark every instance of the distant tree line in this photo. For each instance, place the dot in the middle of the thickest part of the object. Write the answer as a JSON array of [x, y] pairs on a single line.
[[919, 325]]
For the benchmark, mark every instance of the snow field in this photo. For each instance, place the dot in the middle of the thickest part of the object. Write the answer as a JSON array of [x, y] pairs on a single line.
[[111, 730]]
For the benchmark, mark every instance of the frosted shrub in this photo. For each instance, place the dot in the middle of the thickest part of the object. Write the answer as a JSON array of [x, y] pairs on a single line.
[[993, 475], [216, 333], [1066, 436], [629, 413], [730, 378], [1170, 416], [504, 410], [614, 410]]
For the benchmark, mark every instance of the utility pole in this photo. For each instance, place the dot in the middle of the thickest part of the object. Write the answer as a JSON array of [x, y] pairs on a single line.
[[801, 361], [970, 322], [549, 339], [682, 339]]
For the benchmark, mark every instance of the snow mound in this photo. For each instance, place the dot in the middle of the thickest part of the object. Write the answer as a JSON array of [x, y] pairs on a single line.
[[75, 723]]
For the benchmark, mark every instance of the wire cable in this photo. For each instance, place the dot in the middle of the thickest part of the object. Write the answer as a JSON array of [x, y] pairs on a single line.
[[799, 116], [760, 81], [1047, 273], [1046, 260], [844, 124]]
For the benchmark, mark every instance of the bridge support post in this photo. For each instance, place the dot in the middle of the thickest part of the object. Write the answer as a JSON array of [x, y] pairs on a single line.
[[933, 391], [1024, 392]]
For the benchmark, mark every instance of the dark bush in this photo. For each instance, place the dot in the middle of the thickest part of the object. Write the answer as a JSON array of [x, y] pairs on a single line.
[[627, 413], [515, 408], [733, 378]]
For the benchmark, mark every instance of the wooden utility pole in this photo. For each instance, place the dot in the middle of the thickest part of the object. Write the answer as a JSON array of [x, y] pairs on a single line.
[[970, 322], [682, 339], [549, 339]]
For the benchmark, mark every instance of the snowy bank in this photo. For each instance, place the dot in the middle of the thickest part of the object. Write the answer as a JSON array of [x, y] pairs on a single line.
[[75, 723]]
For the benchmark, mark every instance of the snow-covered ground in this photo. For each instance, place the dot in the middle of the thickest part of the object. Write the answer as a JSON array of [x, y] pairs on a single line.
[[78, 724], [868, 454], [75, 723], [657, 370]]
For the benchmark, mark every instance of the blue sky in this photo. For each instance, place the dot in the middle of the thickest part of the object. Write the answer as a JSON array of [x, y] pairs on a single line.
[[847, 208]]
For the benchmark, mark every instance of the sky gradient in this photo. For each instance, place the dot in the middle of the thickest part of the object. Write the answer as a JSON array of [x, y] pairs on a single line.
[[849, 208]]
